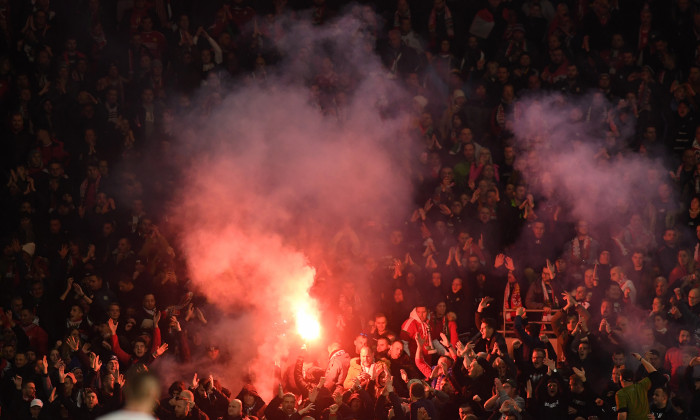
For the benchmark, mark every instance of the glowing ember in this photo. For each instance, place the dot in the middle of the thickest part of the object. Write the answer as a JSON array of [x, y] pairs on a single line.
[[308, 326]]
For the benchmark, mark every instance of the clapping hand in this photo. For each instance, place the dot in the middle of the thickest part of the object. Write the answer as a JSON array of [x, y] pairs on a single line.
[[510, 266]]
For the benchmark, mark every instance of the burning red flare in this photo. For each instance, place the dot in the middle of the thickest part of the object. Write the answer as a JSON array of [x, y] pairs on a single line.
[[307, 324]]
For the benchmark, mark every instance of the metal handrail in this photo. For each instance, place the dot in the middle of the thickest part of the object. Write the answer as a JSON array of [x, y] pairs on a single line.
[[505, 331]]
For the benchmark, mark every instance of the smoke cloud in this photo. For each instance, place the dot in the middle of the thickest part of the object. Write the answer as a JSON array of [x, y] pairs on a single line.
[[271, 179], [576, 154]]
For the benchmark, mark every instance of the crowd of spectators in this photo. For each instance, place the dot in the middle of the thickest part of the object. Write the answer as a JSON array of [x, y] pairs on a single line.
[[487, 301]]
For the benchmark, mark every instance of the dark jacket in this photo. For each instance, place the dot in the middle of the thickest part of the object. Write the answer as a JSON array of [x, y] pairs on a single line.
[[274, 412]]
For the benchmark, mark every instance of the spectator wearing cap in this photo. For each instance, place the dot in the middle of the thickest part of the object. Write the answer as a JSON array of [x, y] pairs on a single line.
[[36, 411], [505, 398]]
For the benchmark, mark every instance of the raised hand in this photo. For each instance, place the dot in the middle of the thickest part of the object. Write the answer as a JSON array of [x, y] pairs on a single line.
[[61, 371], [485, 302], [72, 343], [112, 326], [95, 362], [500, 259], [498, 384], [404, 375], [43, 366], [444, 341], [160, 350], [510, 266], [306, 409], [581, 373], [195, 382], [200, 316], [63, 251]]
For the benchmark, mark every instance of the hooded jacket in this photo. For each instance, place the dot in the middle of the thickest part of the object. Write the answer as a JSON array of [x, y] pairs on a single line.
[[412, 326]]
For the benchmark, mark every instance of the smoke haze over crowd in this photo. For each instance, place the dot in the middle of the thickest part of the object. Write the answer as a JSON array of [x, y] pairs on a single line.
[[580, 169], [278, 180]]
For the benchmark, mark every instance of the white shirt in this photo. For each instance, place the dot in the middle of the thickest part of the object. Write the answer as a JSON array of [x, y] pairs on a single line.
[[126, 415]]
